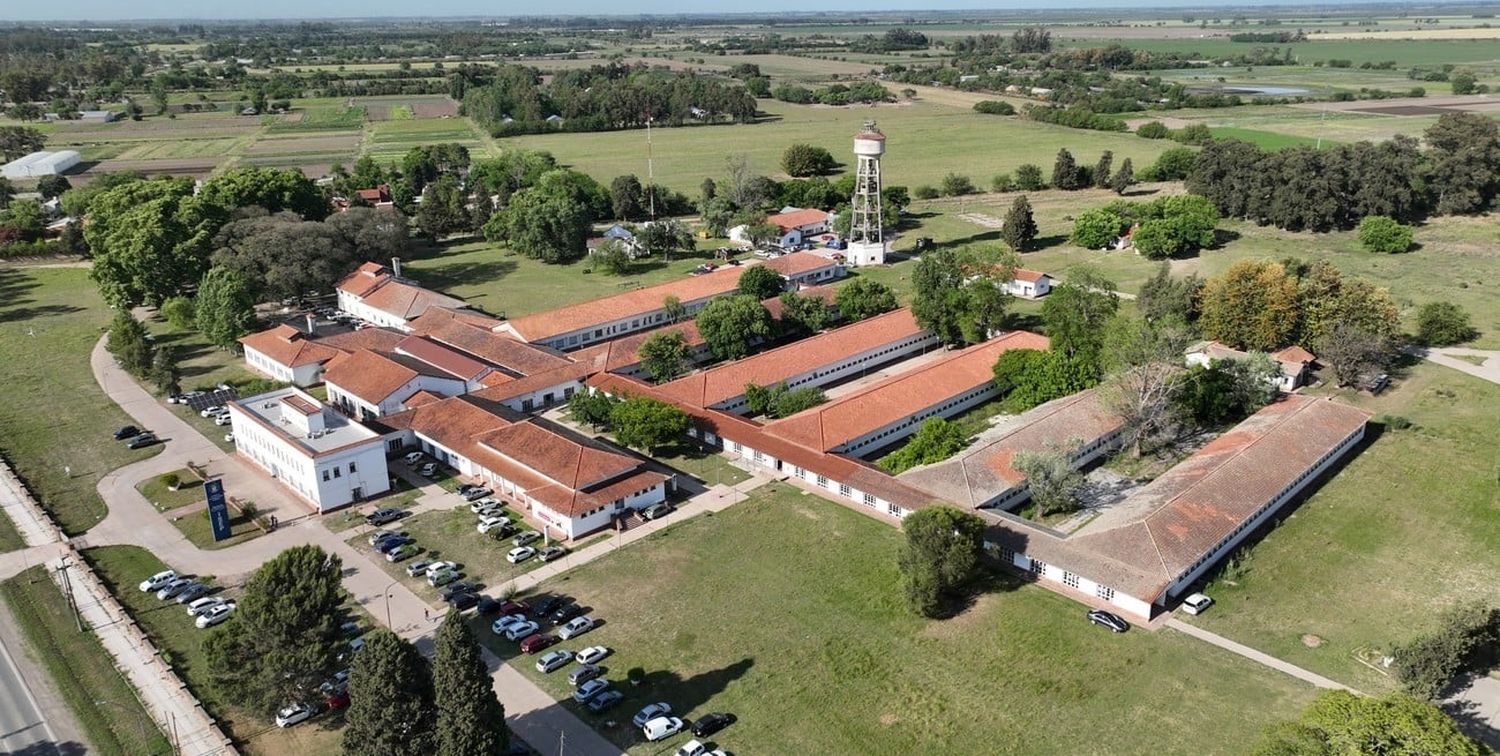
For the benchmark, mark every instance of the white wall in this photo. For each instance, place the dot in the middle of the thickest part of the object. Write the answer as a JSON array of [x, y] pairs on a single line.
[[302, 375], [536, 400], [356, 307], [900, 429], [392, 402], [1057, 575], [827, 374], [611, 329]]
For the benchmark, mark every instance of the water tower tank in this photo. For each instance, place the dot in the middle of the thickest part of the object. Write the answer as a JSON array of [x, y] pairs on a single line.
[[869, 143]]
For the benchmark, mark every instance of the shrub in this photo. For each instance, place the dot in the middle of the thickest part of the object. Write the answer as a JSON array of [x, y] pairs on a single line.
[[1153, 130], [1173, 165], [1002, 182], [1378, 233], [1465, 640], [1443, 324], [179, 311], [1029, 178], [1396, 422], [995, 107], [1096, 229], [955, 185], [925, 192], [1196, 133], [171, 480], [806, 160]]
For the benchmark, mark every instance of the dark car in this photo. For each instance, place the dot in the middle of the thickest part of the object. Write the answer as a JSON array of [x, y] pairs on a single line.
[[462, 586], [534, 643], [382, 516], [546, 605], [711, 723], [583, 674], [514, 607], [604, 701], [489, 605], [464, 488], [475, 493], [129, 431], [391, 543], [1109, 620], [142, 441], [337, 700], [462, 601], [565, 613]]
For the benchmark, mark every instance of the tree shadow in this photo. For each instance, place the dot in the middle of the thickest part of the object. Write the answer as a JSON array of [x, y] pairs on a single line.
[[1043, 242], [1470, 718], [1224, 236], [13, 284], [1140, 191], [1023, 321], [47, 747], [459, 273], [31, 313]]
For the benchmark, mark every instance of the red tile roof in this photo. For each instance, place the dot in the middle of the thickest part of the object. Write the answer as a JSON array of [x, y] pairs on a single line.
[[831, 425], [365, 279], [1295, 354], [1033, 276], [374, 376], [288, 346], [797, 218], [454, 330], [448, 360], [798, 263], [406, 301], [718, 384], [825, 293], [381, 339], [621, 353], [578, 317]]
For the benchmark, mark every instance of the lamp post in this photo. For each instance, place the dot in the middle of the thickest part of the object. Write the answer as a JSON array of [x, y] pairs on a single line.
[[387, 595]]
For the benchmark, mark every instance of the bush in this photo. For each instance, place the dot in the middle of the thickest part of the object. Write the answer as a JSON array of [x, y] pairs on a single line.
[[1153, 130], [1443, 324], [955, 185], [1173, 165], [1378, 233], [171, 480], [1002, 182], [179, 311], [925, 192], [1096, 229], [801, 160], [1396, 422], [1465, 640], [1197, 133], [1029, 178], [995, 107]]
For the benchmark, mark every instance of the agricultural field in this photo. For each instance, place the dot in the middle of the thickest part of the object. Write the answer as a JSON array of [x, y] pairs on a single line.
[[694, 608], [388, 140], [1406, 53]]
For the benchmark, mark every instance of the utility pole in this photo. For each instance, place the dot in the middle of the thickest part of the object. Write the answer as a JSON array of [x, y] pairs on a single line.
[[62, 571], [650, 172]]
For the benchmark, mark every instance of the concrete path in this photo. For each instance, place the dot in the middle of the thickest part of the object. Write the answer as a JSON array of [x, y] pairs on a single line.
[[1256, 656], [1476, 708], [1489, 370]]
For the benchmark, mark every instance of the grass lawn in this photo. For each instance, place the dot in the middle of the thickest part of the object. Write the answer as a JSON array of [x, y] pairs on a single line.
[[80, 669], [59, 438], [1267, 140], [173, 632], [402, 497], [785, 610], [1392, 539], [189, 491], [708, 466], [450, 535], [196, 526]]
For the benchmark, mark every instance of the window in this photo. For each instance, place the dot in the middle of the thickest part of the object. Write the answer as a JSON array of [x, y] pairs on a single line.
[[1038, 567], [337, 473], [822, 480], [351, 467], [843, 489], [870, 499], [1007, 555], [1070, 580], [325, 475], [1105, 592]]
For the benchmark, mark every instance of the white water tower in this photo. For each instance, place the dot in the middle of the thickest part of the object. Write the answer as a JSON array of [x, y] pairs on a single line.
[[867, 244]]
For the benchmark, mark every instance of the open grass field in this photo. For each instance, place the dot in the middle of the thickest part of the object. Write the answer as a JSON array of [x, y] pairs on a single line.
[[80, 669], [57, 432], [1268, 140], [389, 140], [319, 118], [1406, 53], [785, 610], [1409, 527], [172, 631], [925, 141]]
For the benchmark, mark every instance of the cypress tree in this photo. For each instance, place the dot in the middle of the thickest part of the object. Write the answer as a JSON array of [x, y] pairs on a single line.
[[1065, 171], [1020, 228], [1123, 178], [390, 700], [470, 719], [1101, 170]]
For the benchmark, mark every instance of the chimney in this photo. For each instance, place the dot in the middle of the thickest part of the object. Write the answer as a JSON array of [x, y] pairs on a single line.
[[396, 267], [312, 324]]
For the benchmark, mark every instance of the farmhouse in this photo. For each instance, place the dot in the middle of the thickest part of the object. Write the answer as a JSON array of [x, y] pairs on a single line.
[[798, 225], [325, 458], [1028, 284], [376, 294], [1295, 362]]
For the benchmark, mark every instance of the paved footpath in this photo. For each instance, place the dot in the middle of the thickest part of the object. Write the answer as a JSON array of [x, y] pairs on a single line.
[[1449, 357], [1256, 656]]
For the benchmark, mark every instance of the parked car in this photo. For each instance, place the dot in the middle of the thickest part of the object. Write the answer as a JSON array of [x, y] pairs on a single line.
[[657, 510], [462, 601], [155, 582], [1378, 383], [464, 488], [479, 505], [474, 494], [337, 700], [383, 515], [506, 622], [215, 615], [223, 418], [589, 690], [565, 613], [514, 607], [428, 470], [522, 539], [692, 748], [462, 586], [440, 565], [652, 711], [551, 552], [547, 604], [1196, 603], [536, 643], [519, 555], [191, 593], [229, 438], [379, 535], [1109, 620], [662, 728], [140, 442], [592, 654], [521, 630], [604, 701], [494, 523], [401, 553], [412, 458], [488, 604], [490, 510], [129, 431], [441, 577], [582, 674], [170, 590], [211, 411], [711, 723], [553, 660], [387, 545], [575, 627], [418, 567], [293, 714], [199, 606], [339, 681]]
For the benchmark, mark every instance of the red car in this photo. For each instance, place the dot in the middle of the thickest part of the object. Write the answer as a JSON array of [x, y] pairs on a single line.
[[536, 642], [338, 700], [514, 607]]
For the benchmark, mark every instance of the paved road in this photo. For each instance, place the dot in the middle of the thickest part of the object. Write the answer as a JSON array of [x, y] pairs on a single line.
[[21, 723], [1257, 656], [1449, 357]]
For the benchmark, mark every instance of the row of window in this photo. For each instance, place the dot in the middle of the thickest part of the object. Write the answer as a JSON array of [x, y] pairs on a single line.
[[868, 499], [338, 471], [619, 329], [1039, 568], [904, 427]]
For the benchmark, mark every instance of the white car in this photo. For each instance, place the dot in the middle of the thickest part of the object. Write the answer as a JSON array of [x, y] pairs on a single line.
[[520, 630], [520, 554], [428, 470], [661, 728], [553, 660], [158, 581], [592, 654], [293, 714], [418, 567], [1196, 603], [491, 523], [480, 505], [214, 616], [199, 606], [228, 438], [575, 627], [211, 411], [652, 711], [439, 566], [692, 748], [499, 626], [223, 419], [413, 458]]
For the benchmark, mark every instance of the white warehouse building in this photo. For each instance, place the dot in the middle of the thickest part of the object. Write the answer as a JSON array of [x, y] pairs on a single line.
[[39, 164]]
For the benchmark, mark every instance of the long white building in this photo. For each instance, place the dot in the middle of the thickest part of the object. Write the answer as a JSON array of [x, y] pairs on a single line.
[[325, 458]]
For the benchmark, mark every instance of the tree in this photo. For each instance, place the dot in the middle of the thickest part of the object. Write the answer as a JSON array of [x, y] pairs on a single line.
[[1101, 170], [1029, 178], [673, 309], [53, 186], [1462, 82], [761, 232], [1339, 722], [956, 185], [7, 192], [729, 325], [1075, 313], [1353, 353], [284, 256], [802, 316], [1378, 233], [1253, 305], [1464, 154], [666, 236], [1051, 477], [1467, 639], [1326, 298], [127, 342], [1123, 178], [1097, 228], [864, 298], [758, 86], [274, 189], [224, 309], [1228, 389], [26, 217], [150, 240], [806, 160], [647, 424], [283, 639], [391, 710], [1031, 39], [1145, 374], [179, 312], [470, 718], [164, 373], [1153, 130], [1019, 229], [1065, 171], [550, 228], [19, 141], [626, 197], [937, 440], [1443, 324], [995, 107], [1163, 296], [664, 355], [591, 407], [939, 557], [761, 283], [444, 208], [1028, 377]]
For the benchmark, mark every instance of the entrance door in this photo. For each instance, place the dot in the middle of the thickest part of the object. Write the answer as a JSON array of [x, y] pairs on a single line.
[[358, 493]]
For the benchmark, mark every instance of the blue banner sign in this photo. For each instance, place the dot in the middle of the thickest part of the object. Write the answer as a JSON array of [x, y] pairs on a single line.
[[218, 509]]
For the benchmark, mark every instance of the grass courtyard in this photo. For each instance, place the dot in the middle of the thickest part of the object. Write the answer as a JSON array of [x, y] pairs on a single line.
[[450, 535], [785, 610]]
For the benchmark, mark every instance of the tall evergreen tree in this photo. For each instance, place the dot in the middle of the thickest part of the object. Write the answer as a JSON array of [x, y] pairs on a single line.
[[391, 711], [1123, 178], [1102, 168], [470, 719], [1020, 229], [1065, 171], [127, 342]]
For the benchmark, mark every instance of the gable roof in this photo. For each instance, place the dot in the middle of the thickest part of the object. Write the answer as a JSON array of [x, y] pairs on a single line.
[[798, 263], [373, 376], [448, 360], [1033, 276], [577, 317], [288, 346], [407, 301], [1294, 353], [365, 279], [621, 353], [797, 218], [452, 328]]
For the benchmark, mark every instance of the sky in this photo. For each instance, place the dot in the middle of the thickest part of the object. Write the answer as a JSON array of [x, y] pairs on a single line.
[[125, 10]]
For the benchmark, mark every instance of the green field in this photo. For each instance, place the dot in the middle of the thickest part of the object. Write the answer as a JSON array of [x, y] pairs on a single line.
[[1406, 53], [58, 438], [389, 140], [1408, 528], [320, 118], [925, 142], [80, 669], [785, 610]]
